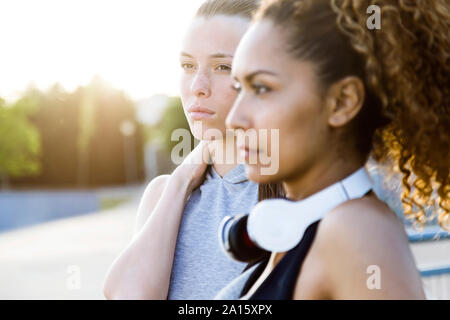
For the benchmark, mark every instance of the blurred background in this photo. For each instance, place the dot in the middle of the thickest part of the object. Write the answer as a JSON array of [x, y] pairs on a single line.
[[88, 101]]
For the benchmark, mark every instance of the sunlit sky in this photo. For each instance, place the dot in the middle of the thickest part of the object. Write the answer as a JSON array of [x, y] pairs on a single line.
[[132, 44]]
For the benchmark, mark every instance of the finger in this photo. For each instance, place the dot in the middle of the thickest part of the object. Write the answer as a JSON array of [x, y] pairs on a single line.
[[200, 154], [206, 153]]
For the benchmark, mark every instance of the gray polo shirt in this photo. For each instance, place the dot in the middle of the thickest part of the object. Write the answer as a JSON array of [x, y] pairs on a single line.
[[200, 269]]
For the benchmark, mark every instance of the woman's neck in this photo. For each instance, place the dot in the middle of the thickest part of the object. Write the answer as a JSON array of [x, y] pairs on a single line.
[[224, 155], [321, 175], [305, 184]]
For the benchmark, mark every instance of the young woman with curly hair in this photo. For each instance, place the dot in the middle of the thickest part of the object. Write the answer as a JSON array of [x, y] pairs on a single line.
[[340, 92]]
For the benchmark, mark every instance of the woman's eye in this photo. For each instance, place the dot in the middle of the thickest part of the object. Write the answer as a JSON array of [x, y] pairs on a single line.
[[260, 89], [187, 66], [223, 67]]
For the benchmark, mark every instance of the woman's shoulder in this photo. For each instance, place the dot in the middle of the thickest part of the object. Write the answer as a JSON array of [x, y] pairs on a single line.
[[157, 183], [150, 198], [367, 218], [366, 226], [358, 237], [155, 187]]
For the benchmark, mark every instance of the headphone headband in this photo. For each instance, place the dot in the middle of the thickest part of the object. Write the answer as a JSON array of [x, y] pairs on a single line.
[[277, 224]]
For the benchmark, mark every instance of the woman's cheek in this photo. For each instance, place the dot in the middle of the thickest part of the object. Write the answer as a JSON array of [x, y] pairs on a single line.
[[229, 94], [226, 99], [184, 85]]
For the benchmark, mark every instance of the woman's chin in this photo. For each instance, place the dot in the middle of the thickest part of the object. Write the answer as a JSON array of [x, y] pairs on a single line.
[[260, 174], [206, 131]]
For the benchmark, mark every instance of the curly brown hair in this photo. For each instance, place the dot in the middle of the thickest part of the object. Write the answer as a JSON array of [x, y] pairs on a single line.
[[405, 69]]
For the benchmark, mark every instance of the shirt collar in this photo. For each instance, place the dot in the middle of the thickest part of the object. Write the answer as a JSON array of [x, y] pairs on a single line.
[[235, 175]]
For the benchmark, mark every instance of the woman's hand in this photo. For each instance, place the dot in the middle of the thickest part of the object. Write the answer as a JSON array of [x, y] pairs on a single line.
[[193, 168], [143, 268]]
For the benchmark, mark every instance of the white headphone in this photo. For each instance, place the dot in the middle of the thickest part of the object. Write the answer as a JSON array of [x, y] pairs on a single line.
[[277, 225]]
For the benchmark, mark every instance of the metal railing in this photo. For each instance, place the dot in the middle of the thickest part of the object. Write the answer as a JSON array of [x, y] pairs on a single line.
[[436, 283], [435, 280]]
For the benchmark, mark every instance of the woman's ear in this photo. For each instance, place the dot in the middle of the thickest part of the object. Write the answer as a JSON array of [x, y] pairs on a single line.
[[345, 99]]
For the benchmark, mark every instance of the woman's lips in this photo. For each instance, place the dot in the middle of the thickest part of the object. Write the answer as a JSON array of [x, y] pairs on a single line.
[[246, 152], [199, 113]]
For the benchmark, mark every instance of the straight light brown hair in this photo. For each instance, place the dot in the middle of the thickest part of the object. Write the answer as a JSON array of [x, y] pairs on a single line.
[[245, 9]]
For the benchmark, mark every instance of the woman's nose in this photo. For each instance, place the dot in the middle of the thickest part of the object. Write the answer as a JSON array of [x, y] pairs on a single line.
[[238, 117], [201, 86]]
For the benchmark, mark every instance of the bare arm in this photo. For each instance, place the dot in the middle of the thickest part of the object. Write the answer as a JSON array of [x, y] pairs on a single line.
[[143, 268]]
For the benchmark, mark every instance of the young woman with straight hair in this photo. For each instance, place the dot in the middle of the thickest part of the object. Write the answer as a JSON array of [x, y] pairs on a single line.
[[174, 253]]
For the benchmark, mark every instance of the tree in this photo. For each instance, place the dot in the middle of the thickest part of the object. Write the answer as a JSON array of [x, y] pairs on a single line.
[[86, 125], [172, 118], [81, 142], [19, 141]]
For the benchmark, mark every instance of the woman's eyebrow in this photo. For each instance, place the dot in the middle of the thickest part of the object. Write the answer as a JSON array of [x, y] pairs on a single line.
[[215, 55], [250, 76], [221, 55], [182, 53]]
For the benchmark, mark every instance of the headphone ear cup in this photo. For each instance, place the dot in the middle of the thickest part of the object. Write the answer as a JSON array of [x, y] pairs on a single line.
[[241, 247]]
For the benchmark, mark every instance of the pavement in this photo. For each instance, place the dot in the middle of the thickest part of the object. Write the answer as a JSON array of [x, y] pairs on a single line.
[[66, 258]]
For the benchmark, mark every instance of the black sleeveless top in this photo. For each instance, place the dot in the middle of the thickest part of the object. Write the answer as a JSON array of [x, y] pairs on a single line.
[[280, 283]]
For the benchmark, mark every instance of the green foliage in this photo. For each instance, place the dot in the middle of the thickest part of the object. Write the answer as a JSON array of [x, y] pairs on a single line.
[[79, 134], [173, 118], [19, 139]]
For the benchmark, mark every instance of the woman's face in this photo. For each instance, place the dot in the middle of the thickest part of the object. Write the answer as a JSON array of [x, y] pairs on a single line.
[[277, 91], [206, 57]]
